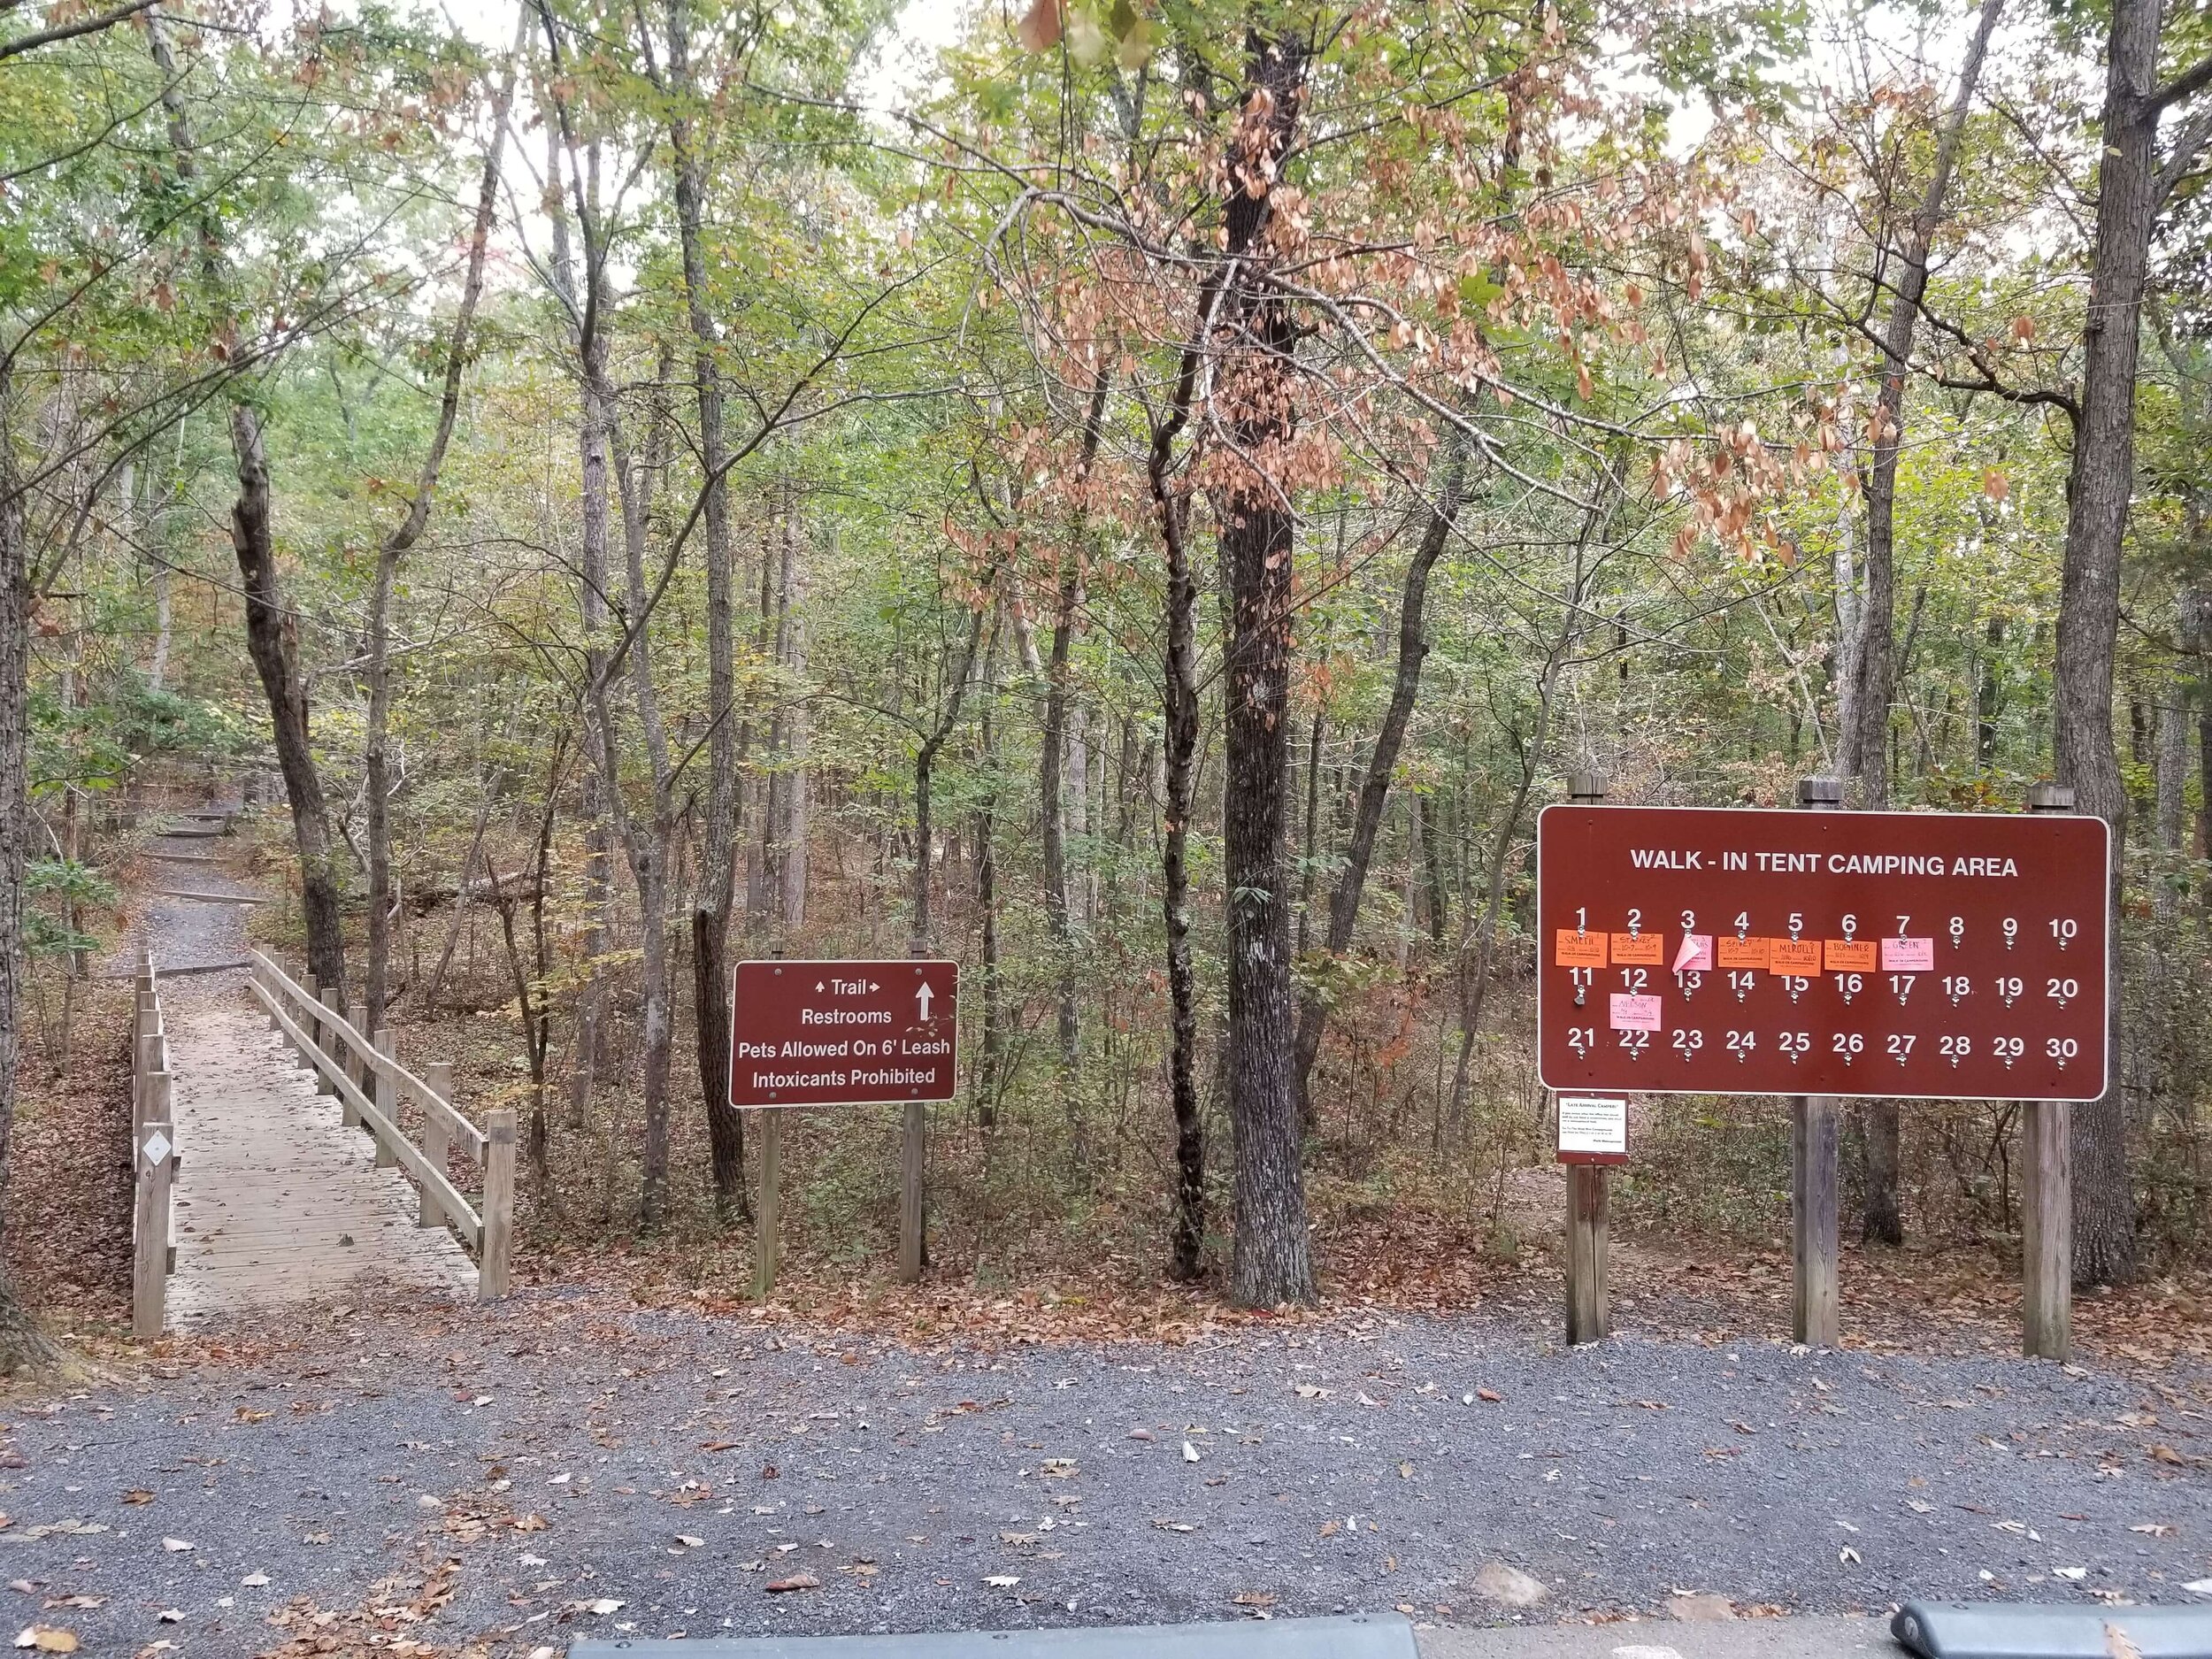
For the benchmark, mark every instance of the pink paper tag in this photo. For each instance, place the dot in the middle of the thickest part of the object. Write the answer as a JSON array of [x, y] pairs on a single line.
[[1696, 954], [1635, 1013], [1908, 956]]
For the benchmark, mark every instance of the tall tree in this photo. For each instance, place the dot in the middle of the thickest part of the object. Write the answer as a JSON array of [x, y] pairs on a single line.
[[2134, 181], [1273, 1259], [1866, 747]]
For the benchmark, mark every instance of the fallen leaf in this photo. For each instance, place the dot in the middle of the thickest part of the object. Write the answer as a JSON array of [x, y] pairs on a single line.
[[1253, 1598], [2157, 1529], [2070, 1574], [1173, 1526], [605, 1604], [1848, 1554], [245, 1415], [48, 1639], [1305, 1391], [138, 1494], [1190, 1453], [1490, 1394], [172, 1616], [719, 1446], [1003, 1580], [2165, 1453], [796, 1581], [1405, 1472], [690, 1543], [175, 1544]]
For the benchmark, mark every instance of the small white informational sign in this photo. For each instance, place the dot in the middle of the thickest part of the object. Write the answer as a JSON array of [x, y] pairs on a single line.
[[1594, 1129], [156, 1148]]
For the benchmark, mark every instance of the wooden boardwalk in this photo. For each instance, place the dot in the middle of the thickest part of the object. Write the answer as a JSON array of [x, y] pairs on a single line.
[[277, 1200]]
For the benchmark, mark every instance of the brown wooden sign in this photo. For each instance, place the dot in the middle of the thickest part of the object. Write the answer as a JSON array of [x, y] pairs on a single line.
[[1897, 954], [843, 1033]]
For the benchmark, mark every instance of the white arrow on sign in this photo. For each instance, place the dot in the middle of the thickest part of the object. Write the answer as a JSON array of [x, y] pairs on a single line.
[[156, 1148], [922, 995]]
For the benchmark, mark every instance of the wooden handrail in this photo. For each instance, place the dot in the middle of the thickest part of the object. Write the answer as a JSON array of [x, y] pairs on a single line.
[[377, 1063], [458, 1209]]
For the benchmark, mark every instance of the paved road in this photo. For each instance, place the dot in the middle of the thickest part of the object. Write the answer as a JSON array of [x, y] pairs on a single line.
[[571, 1454]]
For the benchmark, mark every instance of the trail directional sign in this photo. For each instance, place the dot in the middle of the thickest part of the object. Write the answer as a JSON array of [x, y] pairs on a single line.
[[843, 1033], [1897, 954]]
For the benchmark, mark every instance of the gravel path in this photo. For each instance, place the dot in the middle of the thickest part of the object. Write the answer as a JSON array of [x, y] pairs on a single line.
[[1346, 1467]]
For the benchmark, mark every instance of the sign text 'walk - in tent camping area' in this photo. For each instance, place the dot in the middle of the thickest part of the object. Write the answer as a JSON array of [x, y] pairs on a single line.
[[843, 1033], [1820, 955]]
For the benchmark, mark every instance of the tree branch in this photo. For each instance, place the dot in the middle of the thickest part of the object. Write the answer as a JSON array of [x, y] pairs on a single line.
[[70, 31]]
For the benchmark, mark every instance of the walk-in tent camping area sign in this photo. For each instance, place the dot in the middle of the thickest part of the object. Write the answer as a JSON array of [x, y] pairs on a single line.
[[1944, 955], [843, 1033]]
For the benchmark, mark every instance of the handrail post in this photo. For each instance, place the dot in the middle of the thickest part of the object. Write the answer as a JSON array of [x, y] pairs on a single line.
[[1816, 1316], [436, 1142], [387, 1098], [2046, 1198], [149, 1263], [311, 1017], [499, 1204], [331, 1046], [1589, 1186]]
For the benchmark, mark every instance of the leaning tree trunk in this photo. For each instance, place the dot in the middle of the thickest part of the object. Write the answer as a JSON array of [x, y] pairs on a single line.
[[376, 760], [1374, 792], [1272, 1261], [2102, 478], [1870, 704], [1179, 681], [272, 641]]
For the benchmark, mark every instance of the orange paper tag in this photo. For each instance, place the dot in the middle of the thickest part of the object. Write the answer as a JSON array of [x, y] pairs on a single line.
[[1800, 956], [1731, 952], [1580, 950], [1852, 955], [1639, 950]]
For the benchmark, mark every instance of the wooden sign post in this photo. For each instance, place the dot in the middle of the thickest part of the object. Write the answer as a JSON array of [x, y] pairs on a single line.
[[1815, 1313], [2047, 1201], [1822, 955], [842, 1034], [1589, 1308]]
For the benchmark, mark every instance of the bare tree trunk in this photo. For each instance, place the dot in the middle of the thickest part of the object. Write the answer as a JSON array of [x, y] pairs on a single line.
[[1875, 676], [1382, 761], [791, 827], [648, 840], [1053, 755], [716, 883], [378, 784], [21, 1343], [2129, 188], [920, 935], [601, 782], [991, 1063], [1272, 1260], [1179, 699]]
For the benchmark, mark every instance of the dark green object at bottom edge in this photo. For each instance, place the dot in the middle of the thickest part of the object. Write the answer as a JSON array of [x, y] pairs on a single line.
[[1954, 1630]]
